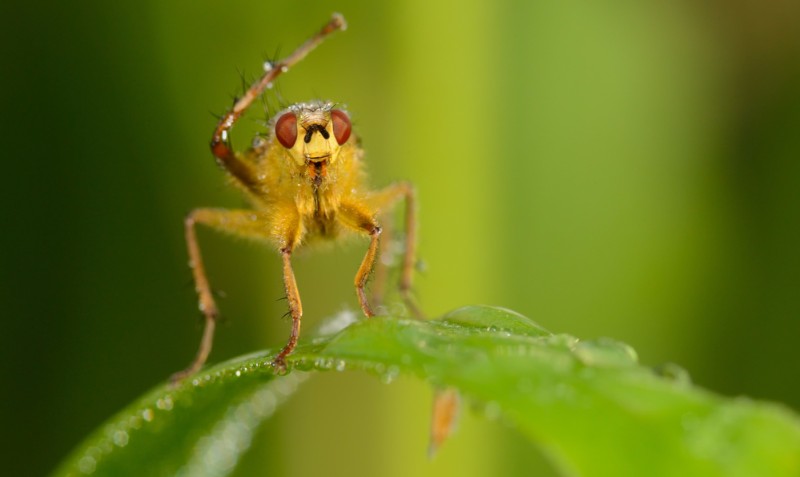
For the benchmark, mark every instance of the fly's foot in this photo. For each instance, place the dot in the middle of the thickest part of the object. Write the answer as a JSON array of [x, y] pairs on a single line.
[[279, 364]]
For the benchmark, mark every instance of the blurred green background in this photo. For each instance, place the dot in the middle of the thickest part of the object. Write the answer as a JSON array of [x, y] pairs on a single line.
[[609, 168]]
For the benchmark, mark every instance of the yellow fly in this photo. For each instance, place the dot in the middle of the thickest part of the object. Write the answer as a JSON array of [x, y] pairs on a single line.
[[304, 182]]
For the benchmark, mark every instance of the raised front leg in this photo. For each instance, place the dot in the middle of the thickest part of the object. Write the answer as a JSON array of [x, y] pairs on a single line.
[[238, 167]]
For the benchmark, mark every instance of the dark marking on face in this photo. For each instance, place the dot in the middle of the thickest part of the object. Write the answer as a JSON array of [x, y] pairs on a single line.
[[315, 127]]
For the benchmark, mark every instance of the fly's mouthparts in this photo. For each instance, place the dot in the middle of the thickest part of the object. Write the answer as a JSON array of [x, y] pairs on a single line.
[[318, 159]]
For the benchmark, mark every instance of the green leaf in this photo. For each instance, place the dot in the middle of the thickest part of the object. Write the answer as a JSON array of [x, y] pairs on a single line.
[[588, 404]]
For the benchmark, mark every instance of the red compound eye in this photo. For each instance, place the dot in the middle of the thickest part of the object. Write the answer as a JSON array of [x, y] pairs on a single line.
[[286, 130], [341, 125]]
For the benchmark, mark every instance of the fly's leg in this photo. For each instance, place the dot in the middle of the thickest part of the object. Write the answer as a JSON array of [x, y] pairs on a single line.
[[238, 167], [385, 199], [409, 259], [366, 267], [446, 402], [206, 301], [380, 272], [244, 223], [286, 228], [295, 309], [359, 217]]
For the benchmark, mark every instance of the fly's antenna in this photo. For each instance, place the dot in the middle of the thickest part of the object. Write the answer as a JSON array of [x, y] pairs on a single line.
[[219, 141]]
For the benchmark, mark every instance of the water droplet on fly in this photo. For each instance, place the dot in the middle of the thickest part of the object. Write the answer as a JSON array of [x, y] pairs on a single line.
[[258, 142]]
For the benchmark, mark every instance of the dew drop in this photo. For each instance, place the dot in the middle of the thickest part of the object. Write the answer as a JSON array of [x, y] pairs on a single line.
[[390, 374], [323, 363], [135, 422], [281, 370], [147, 415], [95, 452], [674, 373], [605, 353], [87, 465], [120, 438], [165, 403], [340, 321], [105, 448], [258, 142]]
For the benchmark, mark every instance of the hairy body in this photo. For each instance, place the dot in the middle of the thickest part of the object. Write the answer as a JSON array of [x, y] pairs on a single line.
[[305, 182]]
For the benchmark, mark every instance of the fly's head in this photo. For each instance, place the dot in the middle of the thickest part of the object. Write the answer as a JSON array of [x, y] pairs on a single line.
[[312, 133]]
